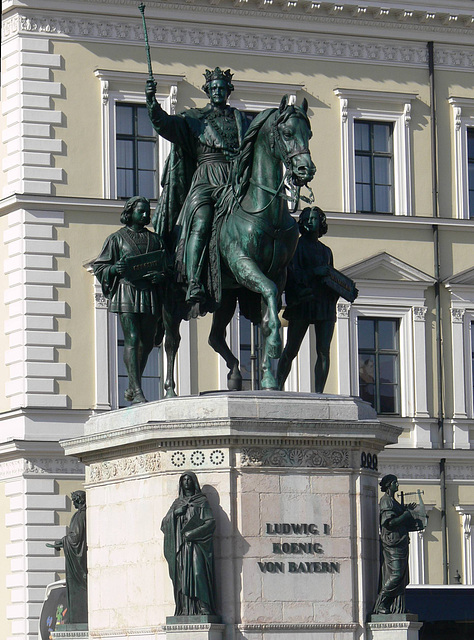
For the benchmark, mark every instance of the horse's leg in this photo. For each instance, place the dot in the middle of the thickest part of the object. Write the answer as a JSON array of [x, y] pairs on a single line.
[[250, 276], [297, 328], [172, 340], [220, 319]]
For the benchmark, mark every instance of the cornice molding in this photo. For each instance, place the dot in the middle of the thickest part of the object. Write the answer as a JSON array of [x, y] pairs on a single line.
[[264, 40]]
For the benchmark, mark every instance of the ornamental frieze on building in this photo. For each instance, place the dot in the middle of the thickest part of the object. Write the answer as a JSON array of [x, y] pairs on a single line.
[[294, 457]]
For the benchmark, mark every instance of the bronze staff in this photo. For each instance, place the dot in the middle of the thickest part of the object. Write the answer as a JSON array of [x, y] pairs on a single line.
[[141, 7]]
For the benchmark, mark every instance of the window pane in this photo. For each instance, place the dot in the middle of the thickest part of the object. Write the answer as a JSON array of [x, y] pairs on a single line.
[[366, 333], [471, 204], [364, 197], [125, 183], [387, 334], [362, 136], [379, 370], [383, 199], [388, 402], [144, 126], [150, 388], [383, 170], [146, 184], [124, 154], [470, 143], [362, 169], [146, 155], [382, 137], [124, 119], [152, 368], [388, 366]]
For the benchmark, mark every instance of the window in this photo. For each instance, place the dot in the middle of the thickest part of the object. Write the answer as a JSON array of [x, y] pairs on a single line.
[[136, 152], [470, 170], [379, 363], [152, 379], [373, 147], [463, 120], [132, 155], [376, 156]]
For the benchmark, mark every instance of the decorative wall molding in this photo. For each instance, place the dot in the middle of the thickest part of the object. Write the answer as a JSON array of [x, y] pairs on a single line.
[[238, 39], [40, 466], [32, 306], [125, 467], [292, 457], [30, 165], [419, 313]]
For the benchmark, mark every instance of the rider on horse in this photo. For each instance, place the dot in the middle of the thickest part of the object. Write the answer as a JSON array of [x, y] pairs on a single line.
[[205, 141]]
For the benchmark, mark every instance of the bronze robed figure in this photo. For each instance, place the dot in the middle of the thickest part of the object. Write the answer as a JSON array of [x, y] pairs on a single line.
[[130, 268], [74, 545], [188, 529], [396, 521]]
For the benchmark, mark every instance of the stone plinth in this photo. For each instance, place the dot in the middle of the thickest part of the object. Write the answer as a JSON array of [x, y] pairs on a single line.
[[189, 630], [396, 626], [292, 481], [78, 631]]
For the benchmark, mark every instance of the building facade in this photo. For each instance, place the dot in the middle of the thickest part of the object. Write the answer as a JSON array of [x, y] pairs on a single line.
[[391, 101]]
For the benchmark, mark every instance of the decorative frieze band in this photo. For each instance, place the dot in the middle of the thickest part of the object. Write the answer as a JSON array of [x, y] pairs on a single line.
[[125, 467], [293, 457], [40, 466], [259, 42]]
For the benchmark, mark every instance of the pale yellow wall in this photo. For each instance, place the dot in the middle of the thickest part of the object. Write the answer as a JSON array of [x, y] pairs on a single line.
[[208, 375], [84, 234], [4, 340], [5, 595]]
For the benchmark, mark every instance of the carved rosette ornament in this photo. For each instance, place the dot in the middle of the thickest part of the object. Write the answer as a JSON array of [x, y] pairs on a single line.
[[457, 315], [292, 457]]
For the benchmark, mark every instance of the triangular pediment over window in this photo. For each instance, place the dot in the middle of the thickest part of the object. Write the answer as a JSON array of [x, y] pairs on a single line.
[[385, 267], [465, 277]]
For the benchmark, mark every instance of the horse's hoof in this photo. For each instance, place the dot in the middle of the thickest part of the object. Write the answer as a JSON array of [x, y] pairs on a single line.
[[138, 397], [268, 383], [170, 393], [234, 380], [128, 395]]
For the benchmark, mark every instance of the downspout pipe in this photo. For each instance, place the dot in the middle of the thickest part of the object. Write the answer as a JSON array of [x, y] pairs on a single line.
[[439, 343]]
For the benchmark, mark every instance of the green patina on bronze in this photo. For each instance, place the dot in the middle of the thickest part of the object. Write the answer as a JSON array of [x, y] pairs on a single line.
[[396, 521], [131, 268], [188, 530], [74, 545], [224, 215], [312, 290]]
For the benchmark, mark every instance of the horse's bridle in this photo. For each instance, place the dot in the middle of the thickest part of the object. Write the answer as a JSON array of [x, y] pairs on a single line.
[[286, 158]]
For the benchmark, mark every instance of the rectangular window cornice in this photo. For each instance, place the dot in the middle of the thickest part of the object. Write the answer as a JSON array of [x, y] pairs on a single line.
[[393, 97]]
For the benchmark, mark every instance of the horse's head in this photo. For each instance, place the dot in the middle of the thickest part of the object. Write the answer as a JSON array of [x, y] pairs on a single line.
[[290, 138]]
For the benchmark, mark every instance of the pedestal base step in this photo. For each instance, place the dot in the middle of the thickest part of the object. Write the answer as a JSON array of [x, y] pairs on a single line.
[[393, 626]]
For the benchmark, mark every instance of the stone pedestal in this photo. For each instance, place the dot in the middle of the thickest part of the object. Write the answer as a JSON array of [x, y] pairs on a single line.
[[292, 482], [77, 631], [193, 628], [395, 626]]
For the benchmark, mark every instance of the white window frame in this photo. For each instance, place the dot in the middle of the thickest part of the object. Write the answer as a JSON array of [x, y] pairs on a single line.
[[467, 512], [377, 106], [129, 87], [463, 118], [402, 298], [461, 289]]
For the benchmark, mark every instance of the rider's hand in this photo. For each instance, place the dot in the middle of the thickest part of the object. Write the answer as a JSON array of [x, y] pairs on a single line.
[[150, 89]]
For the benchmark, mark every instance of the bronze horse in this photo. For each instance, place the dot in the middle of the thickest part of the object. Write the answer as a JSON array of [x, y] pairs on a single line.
[[255, 236]]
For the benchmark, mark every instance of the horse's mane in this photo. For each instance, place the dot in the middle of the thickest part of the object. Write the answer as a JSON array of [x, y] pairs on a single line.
[[242, 166], [241, 170]]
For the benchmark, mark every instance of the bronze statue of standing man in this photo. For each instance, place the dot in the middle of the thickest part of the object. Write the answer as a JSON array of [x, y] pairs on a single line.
[[136, 300], [204, 141]]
